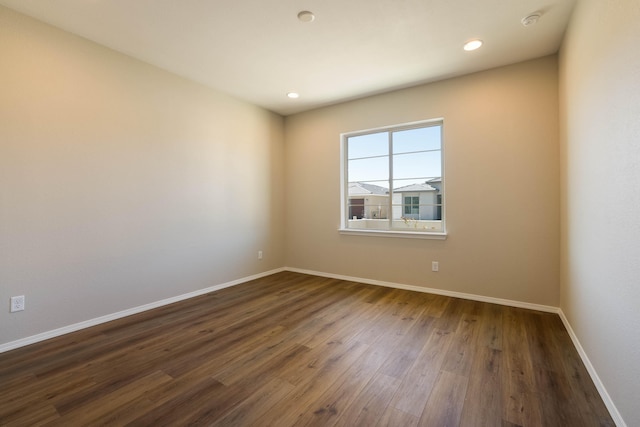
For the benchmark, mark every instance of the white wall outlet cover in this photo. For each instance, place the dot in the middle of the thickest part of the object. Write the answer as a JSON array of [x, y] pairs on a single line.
[[17, 303]]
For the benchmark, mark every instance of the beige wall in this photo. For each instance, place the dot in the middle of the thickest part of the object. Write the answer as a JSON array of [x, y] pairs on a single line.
[[600, 140], [502, 186], [121, 184]]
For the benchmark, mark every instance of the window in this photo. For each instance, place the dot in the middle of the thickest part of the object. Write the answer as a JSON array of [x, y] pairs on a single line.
[[392, 180], [411, 205]]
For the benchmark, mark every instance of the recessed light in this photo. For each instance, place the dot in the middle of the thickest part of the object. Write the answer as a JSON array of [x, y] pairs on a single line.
[[306, 16], [472, 45], [293, 95]]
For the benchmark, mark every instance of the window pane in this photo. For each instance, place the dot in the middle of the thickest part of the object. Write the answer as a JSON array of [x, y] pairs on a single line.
[[411, 140], [375, 144], [356, 208], [376, 169], [417, 165]]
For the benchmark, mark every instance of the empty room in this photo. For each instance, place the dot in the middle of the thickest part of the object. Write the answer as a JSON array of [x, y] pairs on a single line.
[[337, 213]]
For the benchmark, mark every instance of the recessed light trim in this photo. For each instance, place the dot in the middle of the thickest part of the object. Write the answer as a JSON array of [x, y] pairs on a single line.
[[306, 16], [472, 45], [293, 95]]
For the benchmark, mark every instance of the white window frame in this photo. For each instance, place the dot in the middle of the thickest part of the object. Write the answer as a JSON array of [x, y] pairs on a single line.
[[344, 193]]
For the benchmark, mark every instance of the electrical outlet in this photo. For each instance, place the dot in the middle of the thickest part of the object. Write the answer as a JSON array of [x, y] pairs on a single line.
[[435, 266], [259, 254], [17, 303]]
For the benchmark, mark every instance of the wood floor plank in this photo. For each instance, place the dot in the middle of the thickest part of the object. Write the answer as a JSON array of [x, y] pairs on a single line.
[[483, 407], [521, 405], [484, 403], [418, 383], [32, 415], [52, 390], [579, 388], [336, 319], [108, 403], [252, 410], [436, 305], [207, 395], [370, 404], [463, 347], [408, 347], [384, 311], [393, 417], [266, 359], [218, 343], [491, 327], [317, 379], [548, 375], [293, 349], [65, 357], [445, 401], [334, 401]]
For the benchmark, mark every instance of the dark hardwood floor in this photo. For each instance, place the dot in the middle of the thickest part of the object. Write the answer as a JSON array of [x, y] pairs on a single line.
[[292, 349]]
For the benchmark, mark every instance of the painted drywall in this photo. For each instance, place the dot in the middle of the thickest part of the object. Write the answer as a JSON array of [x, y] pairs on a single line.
[[501, 178], [122, 184], [600, 176]]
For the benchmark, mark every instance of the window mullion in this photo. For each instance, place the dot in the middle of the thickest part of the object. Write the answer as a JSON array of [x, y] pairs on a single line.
[[390, 202]]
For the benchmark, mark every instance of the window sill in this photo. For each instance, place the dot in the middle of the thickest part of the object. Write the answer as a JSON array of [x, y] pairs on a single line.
[[393, 233]]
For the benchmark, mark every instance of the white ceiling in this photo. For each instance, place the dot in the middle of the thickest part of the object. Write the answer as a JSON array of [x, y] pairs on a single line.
[[258, 50]]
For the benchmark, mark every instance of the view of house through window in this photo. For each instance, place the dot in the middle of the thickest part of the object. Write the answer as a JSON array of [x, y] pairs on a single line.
[[393, 179]]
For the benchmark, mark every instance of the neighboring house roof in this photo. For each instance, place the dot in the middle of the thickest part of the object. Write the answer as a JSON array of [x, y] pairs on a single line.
[[415, 188], [362, 189]]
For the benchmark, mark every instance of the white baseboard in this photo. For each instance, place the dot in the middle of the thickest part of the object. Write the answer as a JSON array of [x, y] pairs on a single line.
[[128, 312], [473, 297], [613, 411]]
